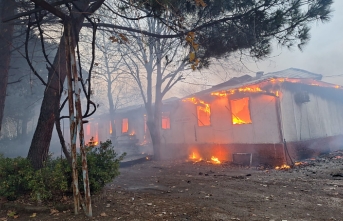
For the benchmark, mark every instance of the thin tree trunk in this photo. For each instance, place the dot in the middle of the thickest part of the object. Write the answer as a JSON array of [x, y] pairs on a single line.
[[155, 131], [40, 144], [62, 141], [110, 99], [7, 8], [156, 137]]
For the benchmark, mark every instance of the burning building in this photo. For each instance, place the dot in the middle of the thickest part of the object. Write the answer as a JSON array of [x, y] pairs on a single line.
[[270, 118]]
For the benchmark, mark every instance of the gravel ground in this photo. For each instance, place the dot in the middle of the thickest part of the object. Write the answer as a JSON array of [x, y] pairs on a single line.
[[181, 190]]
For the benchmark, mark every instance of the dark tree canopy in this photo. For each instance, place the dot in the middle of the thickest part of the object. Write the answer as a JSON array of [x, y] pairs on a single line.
[[225, 26]]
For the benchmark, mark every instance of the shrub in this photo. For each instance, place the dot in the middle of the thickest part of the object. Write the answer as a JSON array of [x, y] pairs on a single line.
[[103, 165], [17, 176]]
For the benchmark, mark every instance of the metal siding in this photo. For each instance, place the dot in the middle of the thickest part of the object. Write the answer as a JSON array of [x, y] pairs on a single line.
[[264, 119], [317, 118], [290, 116]]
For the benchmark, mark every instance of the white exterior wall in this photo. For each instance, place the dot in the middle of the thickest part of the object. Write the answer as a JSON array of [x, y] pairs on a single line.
[[315, 119], [263, 129]]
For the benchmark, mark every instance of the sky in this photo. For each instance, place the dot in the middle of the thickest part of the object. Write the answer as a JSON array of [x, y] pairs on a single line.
[[322, 55]]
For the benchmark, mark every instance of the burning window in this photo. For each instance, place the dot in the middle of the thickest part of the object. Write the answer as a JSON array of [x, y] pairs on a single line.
[[204, 115], [240, 111], [165, 120], [125, 125], [111, 127]]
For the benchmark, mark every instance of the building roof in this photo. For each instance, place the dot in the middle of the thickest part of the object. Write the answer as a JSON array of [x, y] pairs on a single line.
[[141, 106], [292, 74]]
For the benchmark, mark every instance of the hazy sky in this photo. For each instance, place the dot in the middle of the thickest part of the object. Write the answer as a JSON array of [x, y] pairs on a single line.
[[322, 55]]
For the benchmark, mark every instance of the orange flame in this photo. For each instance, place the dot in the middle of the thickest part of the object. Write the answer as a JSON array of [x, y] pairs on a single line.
[[253, 89], [132, 133], [205, 106], [283, 167], [256, 89], [195, 157], [215, 160]]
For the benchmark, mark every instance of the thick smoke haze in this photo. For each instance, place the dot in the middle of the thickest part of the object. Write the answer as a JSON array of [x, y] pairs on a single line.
[[322, 55]]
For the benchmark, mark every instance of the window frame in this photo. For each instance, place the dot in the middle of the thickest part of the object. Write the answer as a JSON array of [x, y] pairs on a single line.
[[122, 124], [169, 121], [198, 119], [249, 108]]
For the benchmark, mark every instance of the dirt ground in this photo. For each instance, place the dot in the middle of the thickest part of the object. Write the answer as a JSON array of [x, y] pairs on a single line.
[[181, 190]]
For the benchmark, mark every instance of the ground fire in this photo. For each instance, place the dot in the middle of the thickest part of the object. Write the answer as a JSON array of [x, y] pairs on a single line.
[[283, 167], [215, 160], [196, 158]]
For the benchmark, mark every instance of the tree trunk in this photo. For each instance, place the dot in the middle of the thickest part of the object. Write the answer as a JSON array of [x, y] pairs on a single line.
[[62, 141], [156, 137], [110, 100], [40, 144], [7, 8], [155, 130]]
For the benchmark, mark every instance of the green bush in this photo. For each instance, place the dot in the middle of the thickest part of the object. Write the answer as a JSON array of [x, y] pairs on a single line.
[[17, 176], [103, 165]]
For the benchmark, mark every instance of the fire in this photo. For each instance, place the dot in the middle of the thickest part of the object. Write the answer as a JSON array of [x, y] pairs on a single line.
[[219, 94], [257, 89], [240, 111], [111, 128], [92, 142], [250, 89], [195, 157], [215, 160], [204, 106], [283, 167], [132, 133], [254, 89]]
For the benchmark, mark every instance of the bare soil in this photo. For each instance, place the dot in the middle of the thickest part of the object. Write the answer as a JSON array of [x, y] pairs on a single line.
[[180, 190]]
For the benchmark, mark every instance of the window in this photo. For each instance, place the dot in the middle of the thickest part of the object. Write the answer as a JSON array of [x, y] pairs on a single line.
[[165, 120], [125, 125], [204, 115], [240, 111]]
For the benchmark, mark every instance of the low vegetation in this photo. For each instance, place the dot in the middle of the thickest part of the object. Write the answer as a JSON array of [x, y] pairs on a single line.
[[17, 176]]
